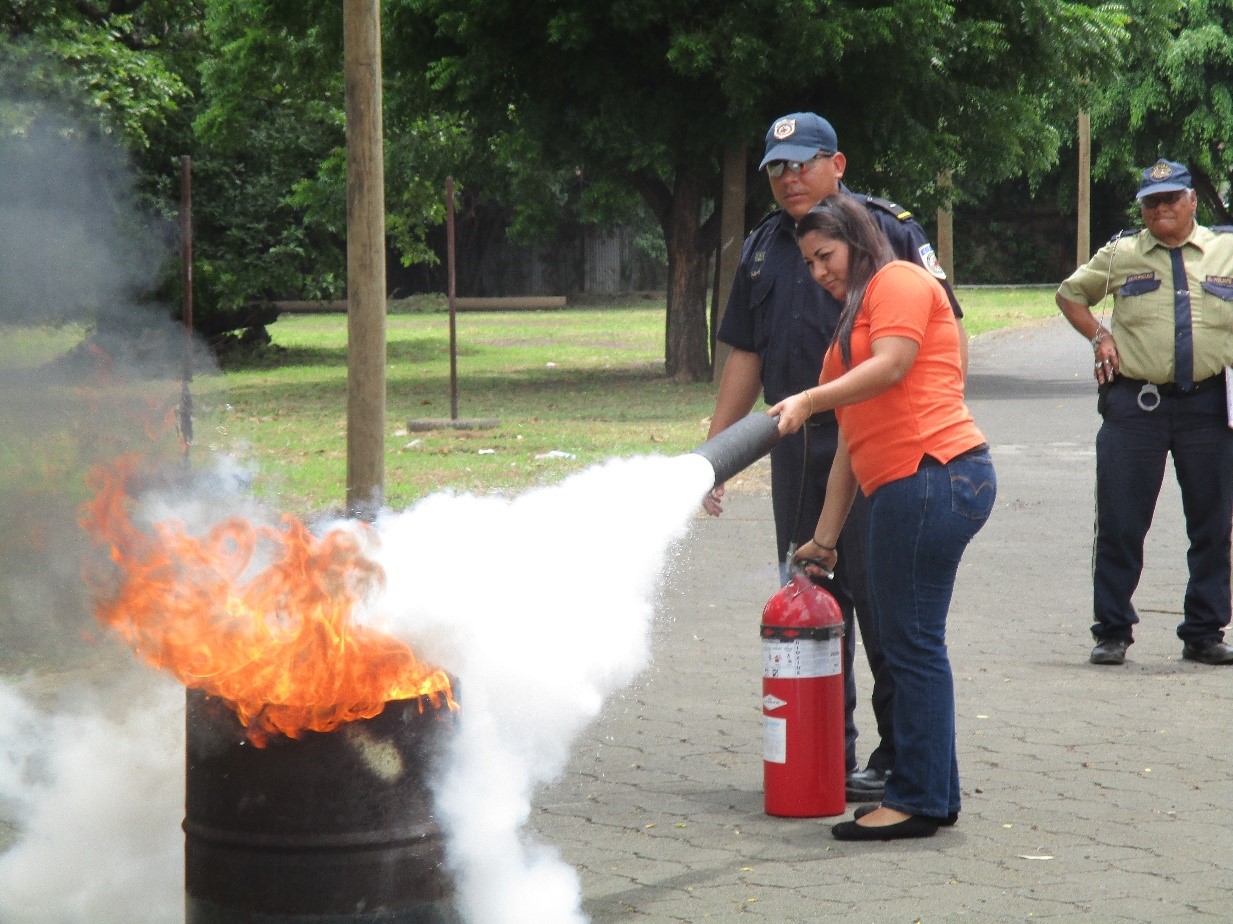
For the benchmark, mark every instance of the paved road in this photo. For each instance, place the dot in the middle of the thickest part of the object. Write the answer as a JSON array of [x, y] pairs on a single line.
[[1097, 791]]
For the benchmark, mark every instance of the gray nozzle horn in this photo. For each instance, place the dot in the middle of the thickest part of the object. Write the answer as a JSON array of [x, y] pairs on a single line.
[[740, 445]]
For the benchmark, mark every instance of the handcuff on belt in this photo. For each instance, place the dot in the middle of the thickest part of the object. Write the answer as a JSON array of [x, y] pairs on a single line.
[[1148, 398]]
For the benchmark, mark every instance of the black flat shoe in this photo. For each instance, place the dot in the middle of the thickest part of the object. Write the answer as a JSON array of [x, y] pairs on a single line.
[[912, 826], [947, 822]]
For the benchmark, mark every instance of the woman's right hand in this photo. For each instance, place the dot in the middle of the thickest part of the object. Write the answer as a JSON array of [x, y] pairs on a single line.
[[792, 412]]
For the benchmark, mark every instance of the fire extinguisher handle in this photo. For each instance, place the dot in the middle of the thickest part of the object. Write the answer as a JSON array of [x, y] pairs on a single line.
[[797, 566]]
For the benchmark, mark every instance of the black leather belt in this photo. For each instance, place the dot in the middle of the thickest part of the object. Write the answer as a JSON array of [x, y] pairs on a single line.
[[928, 460], [1170, 389]]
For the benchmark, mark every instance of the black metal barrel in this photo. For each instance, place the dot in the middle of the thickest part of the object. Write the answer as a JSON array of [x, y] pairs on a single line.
[[330, 827], [741, 445]]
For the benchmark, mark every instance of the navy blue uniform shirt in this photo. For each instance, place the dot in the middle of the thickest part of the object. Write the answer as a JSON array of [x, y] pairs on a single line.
[[776, 309]]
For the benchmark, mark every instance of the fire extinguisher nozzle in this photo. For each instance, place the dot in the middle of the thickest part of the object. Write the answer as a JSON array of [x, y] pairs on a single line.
[[741, 445]]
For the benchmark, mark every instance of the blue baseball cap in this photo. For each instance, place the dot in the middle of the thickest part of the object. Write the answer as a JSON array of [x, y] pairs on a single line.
[[1162, 177], [799, 136]]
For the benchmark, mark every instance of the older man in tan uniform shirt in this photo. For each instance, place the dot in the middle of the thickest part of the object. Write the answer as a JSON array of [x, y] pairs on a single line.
[[1161, 365]]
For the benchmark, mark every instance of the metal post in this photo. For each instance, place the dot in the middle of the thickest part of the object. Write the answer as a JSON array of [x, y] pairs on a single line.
[[186, 281]]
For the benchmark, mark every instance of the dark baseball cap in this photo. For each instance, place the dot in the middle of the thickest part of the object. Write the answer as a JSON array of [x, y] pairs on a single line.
[[1162, 177], [799, 136]]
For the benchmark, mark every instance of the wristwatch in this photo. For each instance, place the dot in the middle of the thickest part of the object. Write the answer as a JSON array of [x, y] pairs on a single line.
[[1101, 334]]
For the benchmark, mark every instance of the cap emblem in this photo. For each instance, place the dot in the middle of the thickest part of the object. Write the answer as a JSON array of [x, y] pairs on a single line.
[[1161, 171], [784, 128]]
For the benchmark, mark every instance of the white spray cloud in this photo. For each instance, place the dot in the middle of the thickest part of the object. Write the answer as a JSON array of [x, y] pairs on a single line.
[[98, 797], [542, 607]]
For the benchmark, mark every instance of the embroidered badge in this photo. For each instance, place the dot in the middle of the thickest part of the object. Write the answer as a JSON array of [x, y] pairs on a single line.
[[930, 260], [784, 128], [1140, 277], [1161, 171], [1221, 280]]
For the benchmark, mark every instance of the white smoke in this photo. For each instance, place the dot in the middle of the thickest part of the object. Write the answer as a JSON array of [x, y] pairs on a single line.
[[98, 798], [541, 607]]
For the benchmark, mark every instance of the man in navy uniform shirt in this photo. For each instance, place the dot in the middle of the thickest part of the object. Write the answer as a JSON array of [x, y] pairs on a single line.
[[779, 323]]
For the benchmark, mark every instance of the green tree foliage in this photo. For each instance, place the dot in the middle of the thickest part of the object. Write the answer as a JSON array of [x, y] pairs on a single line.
[[553, 107], [272, 169], [89, 91], [645, 95], [1173, 97], [115, 67]]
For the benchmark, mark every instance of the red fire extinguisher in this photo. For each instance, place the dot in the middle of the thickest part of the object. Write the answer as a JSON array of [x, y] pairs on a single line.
[[802, 702]]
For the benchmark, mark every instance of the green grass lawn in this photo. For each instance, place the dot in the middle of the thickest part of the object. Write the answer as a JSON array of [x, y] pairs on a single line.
[[569, 388]]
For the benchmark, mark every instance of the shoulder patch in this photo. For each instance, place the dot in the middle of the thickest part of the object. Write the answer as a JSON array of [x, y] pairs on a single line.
[[1221, 229], [887, 206], [929, 260], [1129, 232]]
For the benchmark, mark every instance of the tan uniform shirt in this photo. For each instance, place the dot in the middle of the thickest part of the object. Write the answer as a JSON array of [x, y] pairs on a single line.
[[1138, 270]]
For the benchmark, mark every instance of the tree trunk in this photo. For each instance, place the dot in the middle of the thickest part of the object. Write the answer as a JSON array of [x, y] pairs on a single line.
[[1210, 195], [686, 346]]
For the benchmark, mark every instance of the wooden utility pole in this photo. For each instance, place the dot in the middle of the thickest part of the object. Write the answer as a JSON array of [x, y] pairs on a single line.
[[731, 237], [365, 259], [946, 226], [1083, 232]]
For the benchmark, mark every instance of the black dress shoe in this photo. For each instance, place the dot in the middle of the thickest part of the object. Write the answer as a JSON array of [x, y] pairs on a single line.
[[1209, 652], [947, 822], [912, 826], [1110, 651], [866, 785]]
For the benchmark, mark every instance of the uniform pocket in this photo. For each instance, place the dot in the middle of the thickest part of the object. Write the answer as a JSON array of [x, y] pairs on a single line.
[[760, 291], [1217, 310], [1133, 287], [1219, 289]]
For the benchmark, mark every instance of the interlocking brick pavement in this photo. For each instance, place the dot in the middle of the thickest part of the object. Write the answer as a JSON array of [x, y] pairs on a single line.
[[1087, 791]]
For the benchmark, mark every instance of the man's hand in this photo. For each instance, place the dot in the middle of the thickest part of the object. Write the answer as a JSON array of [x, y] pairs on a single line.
[[712, 503]]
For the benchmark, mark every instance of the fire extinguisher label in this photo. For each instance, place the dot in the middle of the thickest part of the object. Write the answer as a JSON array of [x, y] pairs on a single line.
[[774, 740], [801, 657]]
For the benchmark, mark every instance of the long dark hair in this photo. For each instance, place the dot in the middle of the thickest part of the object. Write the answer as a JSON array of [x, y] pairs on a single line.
[[842, 218]]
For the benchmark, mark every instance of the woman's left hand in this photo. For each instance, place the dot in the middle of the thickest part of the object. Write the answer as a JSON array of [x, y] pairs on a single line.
[[792, 412]]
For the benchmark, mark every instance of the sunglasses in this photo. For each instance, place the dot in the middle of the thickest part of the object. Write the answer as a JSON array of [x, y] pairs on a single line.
[[1169, 198], [775, 169]]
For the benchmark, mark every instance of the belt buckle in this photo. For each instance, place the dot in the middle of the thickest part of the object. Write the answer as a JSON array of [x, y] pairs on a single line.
[[1149, 397]]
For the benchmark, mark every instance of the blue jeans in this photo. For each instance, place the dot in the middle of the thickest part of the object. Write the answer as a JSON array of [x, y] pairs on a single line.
[[918, 529]]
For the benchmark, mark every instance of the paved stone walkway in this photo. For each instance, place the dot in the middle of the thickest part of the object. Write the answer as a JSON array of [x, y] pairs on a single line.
[[1095, 791]]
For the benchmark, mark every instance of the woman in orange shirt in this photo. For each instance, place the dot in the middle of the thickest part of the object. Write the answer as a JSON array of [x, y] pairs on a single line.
[[895, 379]]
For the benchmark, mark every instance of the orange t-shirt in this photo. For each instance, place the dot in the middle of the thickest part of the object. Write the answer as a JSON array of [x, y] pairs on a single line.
[[923, 414]]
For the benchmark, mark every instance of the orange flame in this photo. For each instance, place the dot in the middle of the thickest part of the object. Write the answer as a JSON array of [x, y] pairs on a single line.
[[279, 645]]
